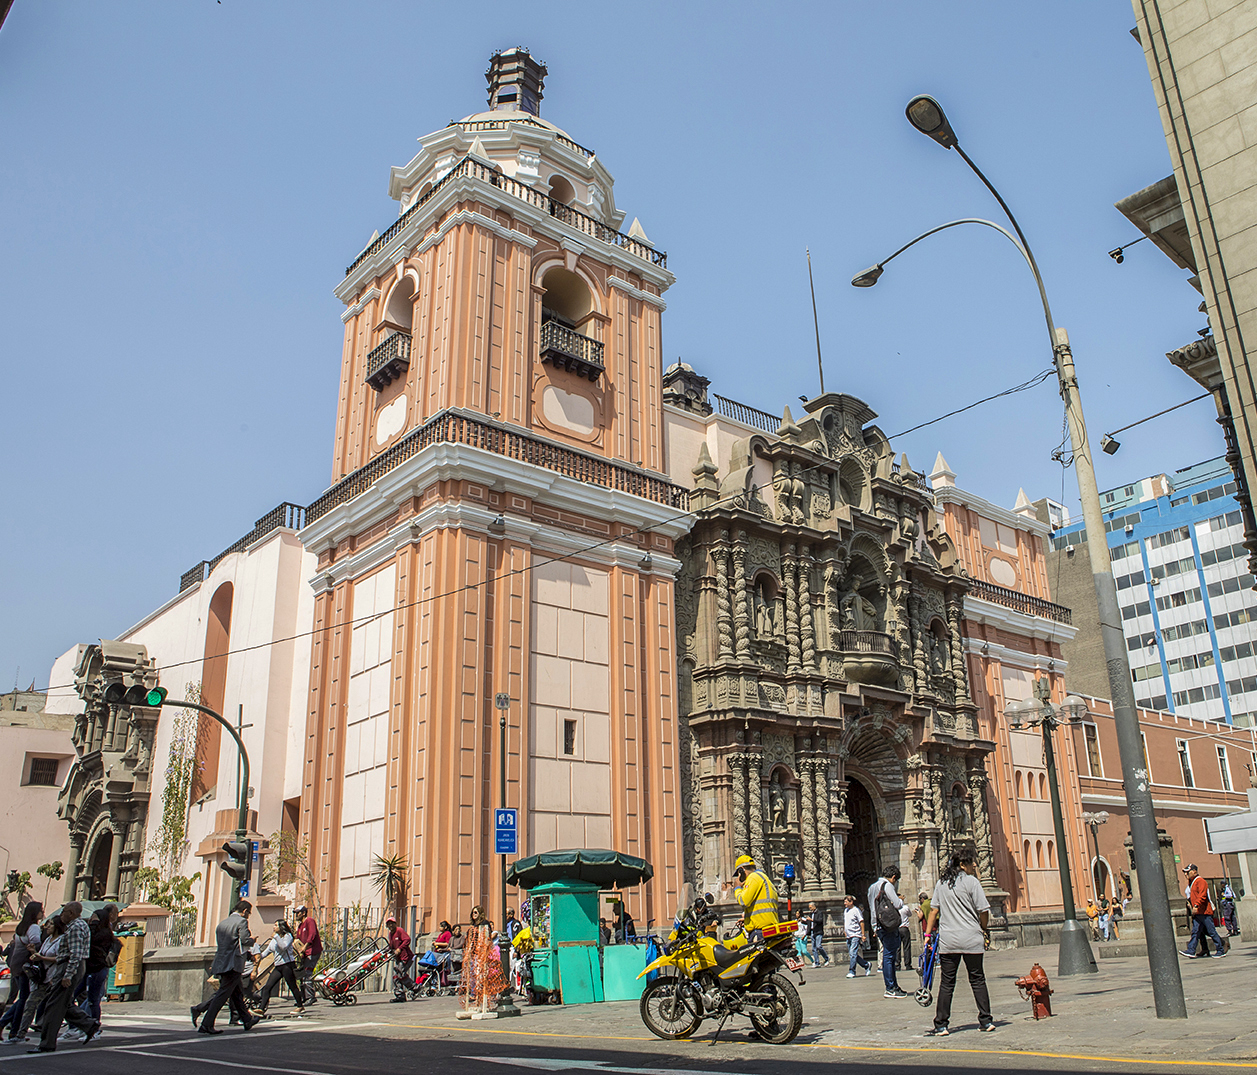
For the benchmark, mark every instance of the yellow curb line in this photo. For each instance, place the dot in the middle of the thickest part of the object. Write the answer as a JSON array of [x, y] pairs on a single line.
[[854, 1048]]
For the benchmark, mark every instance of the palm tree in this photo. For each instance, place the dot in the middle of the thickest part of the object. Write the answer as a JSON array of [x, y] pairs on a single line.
[[388, 875]]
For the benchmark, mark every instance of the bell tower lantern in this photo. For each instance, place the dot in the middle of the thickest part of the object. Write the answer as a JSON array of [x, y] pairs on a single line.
[[516, 81]]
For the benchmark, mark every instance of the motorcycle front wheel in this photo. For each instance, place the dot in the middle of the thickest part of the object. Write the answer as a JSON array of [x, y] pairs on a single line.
[[787, 1017], [667, 1009]]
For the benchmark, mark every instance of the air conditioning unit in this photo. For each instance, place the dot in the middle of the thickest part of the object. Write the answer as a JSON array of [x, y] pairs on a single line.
[[1069, 550], [1130, 528]]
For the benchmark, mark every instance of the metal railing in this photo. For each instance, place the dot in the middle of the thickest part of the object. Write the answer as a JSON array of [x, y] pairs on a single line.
[[867, 642], [397, 346], [919, 480], [1021, 602], [286, 515], [454, 427], [502, 124], [751, 416], [556, 336], [475, 169]]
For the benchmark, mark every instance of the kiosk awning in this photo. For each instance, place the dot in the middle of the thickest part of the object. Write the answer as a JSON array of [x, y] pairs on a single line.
[[598, 866]]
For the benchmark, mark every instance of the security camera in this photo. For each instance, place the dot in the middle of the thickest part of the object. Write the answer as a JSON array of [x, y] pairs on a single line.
[[1117, 255]]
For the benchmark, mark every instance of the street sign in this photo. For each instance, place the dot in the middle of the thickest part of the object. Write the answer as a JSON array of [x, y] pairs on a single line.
[[505, 830], [502, 700]]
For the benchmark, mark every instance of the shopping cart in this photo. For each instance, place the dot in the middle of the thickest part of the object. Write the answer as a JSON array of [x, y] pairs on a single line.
[[338, 983], [929, 957]]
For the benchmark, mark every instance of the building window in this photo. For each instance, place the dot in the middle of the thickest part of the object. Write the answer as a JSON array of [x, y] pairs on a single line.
[[1051, 854], [43, 772], [1185, 763], [569, 737], [1224, 768], [1093, 749]]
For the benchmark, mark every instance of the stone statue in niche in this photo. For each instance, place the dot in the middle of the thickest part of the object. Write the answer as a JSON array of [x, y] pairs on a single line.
[[858, 612], [959, 815], [763, 611], [778, 804], [940, 657]]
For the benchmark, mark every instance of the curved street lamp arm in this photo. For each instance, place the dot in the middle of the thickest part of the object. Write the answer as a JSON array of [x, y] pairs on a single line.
[[243, 822], [1020, 245]]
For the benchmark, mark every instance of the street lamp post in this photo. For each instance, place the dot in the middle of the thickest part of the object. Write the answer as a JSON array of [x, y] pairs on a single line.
[[1075, 951], [1093, 822], [927, 116], [505, 1006]]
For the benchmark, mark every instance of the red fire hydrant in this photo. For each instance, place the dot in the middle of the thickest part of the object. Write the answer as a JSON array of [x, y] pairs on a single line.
[[1034, 988]]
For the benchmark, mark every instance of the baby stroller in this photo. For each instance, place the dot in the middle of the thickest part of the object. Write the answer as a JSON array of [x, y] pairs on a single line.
[[929, 957], [427, 979], [338, 983]]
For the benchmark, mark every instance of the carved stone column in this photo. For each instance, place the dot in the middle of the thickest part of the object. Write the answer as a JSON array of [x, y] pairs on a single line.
[[920, 661], [839, 822], [820, 773], [724, 608], [741, 609], [807, 822], [958, 662], [755, 800], [72, 869], [737, 775], [981, 823], [805, 609], [115, 860], [790, 565]]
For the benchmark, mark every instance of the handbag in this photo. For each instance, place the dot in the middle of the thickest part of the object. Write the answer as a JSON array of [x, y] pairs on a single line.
[[36, 971]]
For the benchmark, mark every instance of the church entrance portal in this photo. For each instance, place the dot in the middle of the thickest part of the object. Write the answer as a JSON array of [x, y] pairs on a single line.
[[860, 853], [100, 867]]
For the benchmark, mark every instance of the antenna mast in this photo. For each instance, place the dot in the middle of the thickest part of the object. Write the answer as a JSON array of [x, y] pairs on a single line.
[[816, 321]]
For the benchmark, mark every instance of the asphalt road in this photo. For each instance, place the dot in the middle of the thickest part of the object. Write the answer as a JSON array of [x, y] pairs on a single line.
[[375, 1036]]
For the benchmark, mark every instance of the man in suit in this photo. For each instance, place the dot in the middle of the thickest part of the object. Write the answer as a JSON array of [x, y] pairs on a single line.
[[234, 941]]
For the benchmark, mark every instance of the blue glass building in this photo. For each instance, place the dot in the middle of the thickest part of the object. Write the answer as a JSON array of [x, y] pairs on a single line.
[[1189, 612]]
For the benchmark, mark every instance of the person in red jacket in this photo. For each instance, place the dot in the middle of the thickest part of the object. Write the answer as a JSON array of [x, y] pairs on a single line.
[[309, 947], [1202, 914], [404, 958]]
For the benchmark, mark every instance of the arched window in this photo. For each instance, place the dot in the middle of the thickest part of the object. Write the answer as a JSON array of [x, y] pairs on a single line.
[[561, 190], [567, 298], [399, 311], [1038, 852], [1025, 854], [1042, 786], [1017, 783], [213, 690], [1051, 854]]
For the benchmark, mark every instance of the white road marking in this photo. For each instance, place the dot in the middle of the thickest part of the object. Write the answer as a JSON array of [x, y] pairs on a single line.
[[227, 1063], [585, 1065]]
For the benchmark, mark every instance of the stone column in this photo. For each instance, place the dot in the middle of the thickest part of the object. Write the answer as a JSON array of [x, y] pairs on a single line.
[[115, 860], [741, 606], [820, 773], [755, 801], [724, 608], [807, 822], [805, 609], [793, 648], [981, 823], [920, 662], [72, 869], [737, 772], [839, 823], [958, 662]]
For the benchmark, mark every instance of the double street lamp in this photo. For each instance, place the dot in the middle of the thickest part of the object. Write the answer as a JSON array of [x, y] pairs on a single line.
[[1038, 712], [927, 116]]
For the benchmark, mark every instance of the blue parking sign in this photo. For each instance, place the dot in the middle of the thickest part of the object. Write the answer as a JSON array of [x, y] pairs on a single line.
[[505, 828]]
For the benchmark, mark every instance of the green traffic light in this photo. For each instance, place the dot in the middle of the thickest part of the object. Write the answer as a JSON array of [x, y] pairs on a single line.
[[156, 697]]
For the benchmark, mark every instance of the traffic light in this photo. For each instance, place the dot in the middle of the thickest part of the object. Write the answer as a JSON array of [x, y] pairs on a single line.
[[137, 694], [239, 859]]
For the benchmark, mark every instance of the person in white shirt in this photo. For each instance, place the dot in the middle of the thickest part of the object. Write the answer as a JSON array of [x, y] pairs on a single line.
[[960, 912], [905, 936], [853, 927], [884, 906], [284, 969]]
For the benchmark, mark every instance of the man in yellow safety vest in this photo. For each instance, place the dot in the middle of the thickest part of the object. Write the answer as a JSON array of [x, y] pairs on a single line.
[[757, 895]]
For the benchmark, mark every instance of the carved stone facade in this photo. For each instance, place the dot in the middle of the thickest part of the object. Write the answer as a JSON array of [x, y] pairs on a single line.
[[824, 690], [105, 797]]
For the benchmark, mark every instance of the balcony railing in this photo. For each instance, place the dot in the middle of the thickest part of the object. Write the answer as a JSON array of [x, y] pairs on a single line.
[[740, 412], [919, 480], [1031, 606], [502, 124], [388, 361], [475, 169], [454, 427], [286, 516], [568, 349], [867, 642]]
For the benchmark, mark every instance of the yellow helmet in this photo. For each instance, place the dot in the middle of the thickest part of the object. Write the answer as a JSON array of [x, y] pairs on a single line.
[[743, 860]]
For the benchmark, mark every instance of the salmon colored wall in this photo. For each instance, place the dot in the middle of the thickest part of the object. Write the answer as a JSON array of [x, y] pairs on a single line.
[[213, 689]]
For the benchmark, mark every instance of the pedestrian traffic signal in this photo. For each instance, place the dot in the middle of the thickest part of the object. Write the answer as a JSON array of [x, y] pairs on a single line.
[[237, 863], [136, 694]]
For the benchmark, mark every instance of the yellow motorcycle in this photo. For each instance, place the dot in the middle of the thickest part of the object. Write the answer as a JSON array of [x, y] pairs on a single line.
[[701, 978]]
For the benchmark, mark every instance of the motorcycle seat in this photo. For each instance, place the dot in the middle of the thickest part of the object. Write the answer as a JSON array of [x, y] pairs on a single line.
[[726, 957]]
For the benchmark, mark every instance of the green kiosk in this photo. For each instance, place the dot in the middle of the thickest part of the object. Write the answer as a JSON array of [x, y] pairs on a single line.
[[568, 957]]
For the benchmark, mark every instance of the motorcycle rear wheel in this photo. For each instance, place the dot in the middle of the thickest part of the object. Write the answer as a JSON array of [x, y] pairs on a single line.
[[787, 1018], [667, 1011]]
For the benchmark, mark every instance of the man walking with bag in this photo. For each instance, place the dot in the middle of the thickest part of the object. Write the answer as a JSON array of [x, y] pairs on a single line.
[[64, 977], [234, 941], [884, 905], [1202, 914]]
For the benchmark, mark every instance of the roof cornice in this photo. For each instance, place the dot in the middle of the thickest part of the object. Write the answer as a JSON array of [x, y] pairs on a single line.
[[950, 494]]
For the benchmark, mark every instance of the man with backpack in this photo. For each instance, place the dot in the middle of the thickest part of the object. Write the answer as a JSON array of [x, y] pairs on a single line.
[[884, 907]]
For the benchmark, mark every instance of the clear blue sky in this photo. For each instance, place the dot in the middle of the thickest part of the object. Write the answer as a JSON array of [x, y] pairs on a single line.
[[182, 185]]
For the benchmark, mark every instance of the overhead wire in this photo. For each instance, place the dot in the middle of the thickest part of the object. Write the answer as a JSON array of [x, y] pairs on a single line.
[[559, 558]]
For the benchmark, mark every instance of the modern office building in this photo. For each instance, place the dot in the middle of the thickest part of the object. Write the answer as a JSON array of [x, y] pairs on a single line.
[[1183, 584]]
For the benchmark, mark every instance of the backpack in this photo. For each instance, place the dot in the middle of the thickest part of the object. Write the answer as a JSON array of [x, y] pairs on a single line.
[[887, 912]]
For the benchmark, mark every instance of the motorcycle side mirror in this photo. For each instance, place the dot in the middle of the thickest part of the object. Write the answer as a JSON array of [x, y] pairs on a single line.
[[708, 898]]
